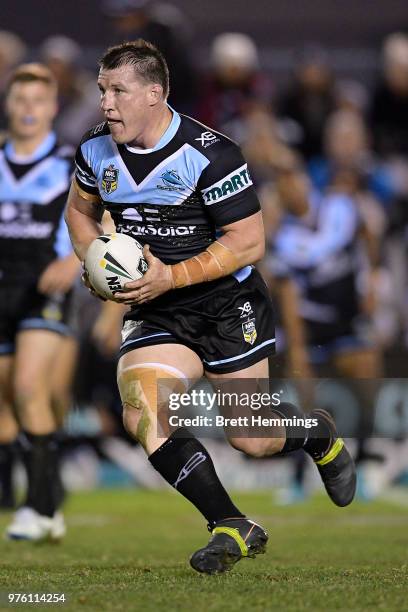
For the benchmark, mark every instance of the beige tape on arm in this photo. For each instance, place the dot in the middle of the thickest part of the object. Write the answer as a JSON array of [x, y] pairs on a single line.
[[90, 197], [215, 262]]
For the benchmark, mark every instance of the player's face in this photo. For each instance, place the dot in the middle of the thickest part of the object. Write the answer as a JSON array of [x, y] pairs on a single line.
[[31, 108], [125, 102]]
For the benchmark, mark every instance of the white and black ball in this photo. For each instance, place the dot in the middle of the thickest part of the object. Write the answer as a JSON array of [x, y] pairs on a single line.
[[113, 260]]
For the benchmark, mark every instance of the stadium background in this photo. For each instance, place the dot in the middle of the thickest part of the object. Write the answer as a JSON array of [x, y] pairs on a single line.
[[347, 40]]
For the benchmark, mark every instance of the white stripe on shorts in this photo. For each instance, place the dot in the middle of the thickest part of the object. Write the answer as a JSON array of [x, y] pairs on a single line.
[[240, 356]]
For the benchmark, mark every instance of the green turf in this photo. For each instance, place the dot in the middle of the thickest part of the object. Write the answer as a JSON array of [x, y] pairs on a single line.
[[128, 550]]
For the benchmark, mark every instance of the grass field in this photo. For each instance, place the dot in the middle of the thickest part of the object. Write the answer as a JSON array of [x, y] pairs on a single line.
[[129, 550]]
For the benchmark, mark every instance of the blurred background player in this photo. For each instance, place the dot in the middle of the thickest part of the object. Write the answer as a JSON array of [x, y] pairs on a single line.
[[37, 270], [320, 245]]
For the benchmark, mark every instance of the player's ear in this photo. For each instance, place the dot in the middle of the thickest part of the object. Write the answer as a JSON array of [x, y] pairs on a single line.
[[155, 93]]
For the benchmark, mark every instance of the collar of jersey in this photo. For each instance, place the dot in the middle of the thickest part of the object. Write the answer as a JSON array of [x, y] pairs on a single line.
[[45, 147], [165, 139]]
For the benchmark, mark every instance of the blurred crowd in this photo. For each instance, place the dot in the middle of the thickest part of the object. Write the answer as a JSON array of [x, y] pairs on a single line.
[[329, 158]]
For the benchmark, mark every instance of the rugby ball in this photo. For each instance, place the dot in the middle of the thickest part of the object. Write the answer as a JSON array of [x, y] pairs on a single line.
[[113, 260]]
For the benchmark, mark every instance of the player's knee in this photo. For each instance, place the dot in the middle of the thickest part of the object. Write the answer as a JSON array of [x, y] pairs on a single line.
[[25, 390], [257, 447], [8, 426], [132, 420], [137, 387]]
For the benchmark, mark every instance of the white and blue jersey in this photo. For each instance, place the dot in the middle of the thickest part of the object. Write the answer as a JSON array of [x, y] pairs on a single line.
[[174, 196], [33, 194], [33, 233], [321, 252]]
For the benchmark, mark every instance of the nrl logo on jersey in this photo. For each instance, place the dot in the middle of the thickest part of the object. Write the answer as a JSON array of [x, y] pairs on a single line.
[[249, 331], [172, 181], [110, 179]]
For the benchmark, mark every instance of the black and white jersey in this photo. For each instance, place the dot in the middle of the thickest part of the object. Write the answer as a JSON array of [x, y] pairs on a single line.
[[321, 253], [33, 194], [175, 196]]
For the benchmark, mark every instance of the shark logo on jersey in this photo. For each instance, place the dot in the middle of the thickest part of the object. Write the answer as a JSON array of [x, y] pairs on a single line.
[[172, 181], [110, 179]]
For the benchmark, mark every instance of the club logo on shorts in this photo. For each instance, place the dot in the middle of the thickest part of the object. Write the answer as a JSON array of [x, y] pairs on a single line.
[[246, 310], [110, 179], [249, 331]]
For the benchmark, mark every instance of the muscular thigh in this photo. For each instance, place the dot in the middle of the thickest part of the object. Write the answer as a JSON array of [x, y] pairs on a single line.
[[146, 377], [251, 381], [175, 357], [35, 358], [168, 366]]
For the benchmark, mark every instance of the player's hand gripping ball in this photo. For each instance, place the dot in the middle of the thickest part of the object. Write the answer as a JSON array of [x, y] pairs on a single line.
[[113, 260]]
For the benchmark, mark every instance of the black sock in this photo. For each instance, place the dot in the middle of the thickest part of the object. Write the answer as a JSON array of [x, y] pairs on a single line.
[[41, 459], [7, 454], [315, 440], [186, 465], [319, 439]]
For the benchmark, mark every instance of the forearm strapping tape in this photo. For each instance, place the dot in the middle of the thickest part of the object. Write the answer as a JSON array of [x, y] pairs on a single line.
[[215, 262]]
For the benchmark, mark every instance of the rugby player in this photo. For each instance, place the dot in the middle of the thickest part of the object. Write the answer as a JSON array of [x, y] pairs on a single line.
[[37, 269], [322, 251], [185, 192]]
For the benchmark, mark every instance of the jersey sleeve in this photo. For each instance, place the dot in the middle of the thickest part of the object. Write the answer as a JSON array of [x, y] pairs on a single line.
[[84, 175], [227, 189]]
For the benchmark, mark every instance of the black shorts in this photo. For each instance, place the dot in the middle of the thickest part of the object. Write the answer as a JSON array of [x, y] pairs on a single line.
[[228, 323], [325, 340], [24, 308]]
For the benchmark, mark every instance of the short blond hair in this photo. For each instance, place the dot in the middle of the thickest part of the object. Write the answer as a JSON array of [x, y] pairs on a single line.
[[29, 73]]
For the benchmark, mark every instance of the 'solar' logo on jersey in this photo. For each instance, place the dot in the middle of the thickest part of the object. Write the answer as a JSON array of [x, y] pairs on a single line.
[[110, 179], [233, 183]]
